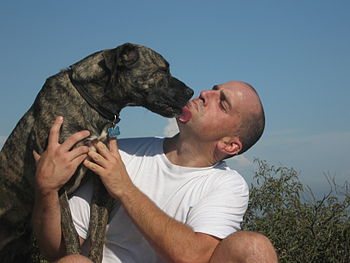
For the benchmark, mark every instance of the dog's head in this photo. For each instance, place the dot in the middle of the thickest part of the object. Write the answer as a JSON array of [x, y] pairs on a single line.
[[144, 77]]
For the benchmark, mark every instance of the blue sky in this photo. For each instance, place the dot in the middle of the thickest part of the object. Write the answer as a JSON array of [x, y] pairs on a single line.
[[295, 53]]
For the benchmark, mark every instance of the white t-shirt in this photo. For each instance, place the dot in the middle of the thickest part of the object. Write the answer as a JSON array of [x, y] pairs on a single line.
[[211, 200]]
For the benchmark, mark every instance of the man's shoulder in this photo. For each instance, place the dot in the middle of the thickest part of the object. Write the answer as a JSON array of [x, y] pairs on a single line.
[[228, 177], [141, 144], [138, 140]]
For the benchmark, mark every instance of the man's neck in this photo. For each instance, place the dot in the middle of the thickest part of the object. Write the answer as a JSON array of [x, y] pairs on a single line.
[[188, 152]]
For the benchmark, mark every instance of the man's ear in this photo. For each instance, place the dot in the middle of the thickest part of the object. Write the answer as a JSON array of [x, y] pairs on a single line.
[[230, 145]]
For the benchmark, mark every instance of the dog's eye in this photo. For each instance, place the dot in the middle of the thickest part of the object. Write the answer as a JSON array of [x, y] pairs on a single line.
[[157, 74]]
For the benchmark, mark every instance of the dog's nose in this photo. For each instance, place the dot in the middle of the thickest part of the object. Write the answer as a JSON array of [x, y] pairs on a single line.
[[189, 92]]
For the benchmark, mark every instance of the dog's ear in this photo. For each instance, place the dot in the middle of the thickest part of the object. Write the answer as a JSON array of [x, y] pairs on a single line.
[[128, 56], [125, 55]]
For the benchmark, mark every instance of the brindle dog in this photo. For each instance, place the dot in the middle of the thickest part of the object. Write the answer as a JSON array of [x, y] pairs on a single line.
[[89, 94]]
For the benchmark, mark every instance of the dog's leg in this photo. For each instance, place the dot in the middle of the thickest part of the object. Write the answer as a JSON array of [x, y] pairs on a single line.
[[69, 232], [101, 206]]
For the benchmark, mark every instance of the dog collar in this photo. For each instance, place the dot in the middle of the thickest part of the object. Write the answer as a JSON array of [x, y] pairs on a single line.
[[104, 112]]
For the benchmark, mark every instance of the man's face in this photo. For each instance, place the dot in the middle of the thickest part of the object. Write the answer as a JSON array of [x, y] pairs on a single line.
[[217, 112]]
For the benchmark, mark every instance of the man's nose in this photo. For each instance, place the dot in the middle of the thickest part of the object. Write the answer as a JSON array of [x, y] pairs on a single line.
[[208, 93]]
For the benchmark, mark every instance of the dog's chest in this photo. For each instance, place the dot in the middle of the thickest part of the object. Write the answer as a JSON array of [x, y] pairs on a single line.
[[108, 131], [81, 172]]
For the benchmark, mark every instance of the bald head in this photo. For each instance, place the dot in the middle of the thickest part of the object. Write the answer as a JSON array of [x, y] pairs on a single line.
[[252, 122], [251, 112]]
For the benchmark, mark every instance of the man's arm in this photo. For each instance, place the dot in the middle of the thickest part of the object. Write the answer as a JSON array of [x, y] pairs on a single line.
[[174, 241], [54, 168], [47, 224]]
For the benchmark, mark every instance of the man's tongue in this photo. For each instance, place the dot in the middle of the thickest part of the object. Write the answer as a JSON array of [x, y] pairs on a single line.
[[186, 114]]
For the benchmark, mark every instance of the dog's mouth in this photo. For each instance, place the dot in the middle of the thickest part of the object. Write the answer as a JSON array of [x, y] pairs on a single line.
[[166, 110], [168, 106], [168, 100]]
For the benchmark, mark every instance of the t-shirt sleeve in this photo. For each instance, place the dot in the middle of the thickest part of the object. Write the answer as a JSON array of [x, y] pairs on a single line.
[[221, 211], [79, 205]]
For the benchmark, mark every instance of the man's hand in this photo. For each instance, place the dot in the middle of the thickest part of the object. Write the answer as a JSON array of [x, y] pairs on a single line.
[[107, 163], [59, 161]]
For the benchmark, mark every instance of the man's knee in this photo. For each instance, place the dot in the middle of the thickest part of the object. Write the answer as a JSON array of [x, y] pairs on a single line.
[[245, 246], [74, 259]]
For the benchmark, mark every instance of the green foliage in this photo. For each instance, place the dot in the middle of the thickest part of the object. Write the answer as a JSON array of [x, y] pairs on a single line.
[[301, 230], [36, 256]]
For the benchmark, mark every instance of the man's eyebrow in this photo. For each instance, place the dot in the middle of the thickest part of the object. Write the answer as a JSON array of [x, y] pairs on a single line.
[[227, 99], [223, 96]]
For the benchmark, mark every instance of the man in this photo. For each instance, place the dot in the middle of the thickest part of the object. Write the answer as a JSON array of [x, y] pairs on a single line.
[[179, 200]]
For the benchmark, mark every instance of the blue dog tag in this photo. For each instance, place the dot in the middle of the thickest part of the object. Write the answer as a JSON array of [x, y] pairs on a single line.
[[113, 131]]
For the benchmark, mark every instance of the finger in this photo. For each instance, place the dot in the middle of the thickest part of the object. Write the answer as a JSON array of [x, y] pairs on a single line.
[[36, 156], [98, 159], [76, 152], [93, 166], [113, 145], [103, 150], [55, 130], [74, 138], [79, 160]]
